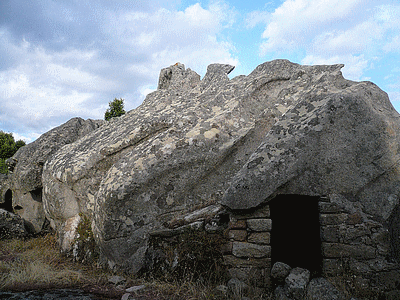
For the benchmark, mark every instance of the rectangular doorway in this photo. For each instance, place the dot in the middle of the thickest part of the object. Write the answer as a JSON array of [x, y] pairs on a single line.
[[295, 234]]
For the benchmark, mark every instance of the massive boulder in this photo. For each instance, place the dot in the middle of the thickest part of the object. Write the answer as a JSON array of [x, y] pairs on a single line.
[[332, 141], [176, 152], [25, 178]]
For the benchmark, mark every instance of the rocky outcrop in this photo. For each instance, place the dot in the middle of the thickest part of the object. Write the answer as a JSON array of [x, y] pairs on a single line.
[[338, 146], [11, 226], [25, 178], [332, 141], [176, 152]]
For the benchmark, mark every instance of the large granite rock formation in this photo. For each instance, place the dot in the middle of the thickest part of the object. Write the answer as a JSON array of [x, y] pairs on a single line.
[[342, 140], [25, 178], [178, 151]]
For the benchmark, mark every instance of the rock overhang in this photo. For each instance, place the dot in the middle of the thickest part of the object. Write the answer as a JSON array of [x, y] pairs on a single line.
[[330, 142], [182, 148]]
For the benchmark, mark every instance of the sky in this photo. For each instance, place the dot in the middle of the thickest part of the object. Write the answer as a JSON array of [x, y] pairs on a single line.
[[61, 59]]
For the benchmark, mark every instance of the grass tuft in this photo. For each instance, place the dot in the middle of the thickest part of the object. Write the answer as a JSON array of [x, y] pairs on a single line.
[[37, 264]]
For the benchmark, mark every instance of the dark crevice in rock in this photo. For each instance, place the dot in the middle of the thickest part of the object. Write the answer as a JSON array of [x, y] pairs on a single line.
[[8, 201]]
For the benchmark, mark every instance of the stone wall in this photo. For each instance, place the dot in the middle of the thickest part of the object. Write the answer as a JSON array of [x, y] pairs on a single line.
[[248, 252], [355, 248]]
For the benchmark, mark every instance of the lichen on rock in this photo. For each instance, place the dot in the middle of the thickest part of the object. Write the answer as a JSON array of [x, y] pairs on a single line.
[[277, 129]]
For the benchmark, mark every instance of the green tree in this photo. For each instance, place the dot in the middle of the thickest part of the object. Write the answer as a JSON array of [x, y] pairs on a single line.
[[116, 109], [8, 147]]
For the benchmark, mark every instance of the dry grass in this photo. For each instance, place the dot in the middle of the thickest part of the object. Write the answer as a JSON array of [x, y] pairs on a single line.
[[37, 264]]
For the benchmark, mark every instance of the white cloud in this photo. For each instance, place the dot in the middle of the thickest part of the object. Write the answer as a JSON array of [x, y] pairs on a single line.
[[26, 139], [165, 37], [394, 97], [257, 17], [42, 86], [393, 45], [353, 40], [46, 84], [331, 27], [145, 90], [296, 21]]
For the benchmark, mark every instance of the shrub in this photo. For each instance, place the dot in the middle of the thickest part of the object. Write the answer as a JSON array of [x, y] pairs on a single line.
[[8, 147], [116, 109], [84, 248], [191, 256]]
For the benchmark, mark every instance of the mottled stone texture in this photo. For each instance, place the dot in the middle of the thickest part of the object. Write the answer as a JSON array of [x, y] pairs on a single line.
[[11, 226], [26, 166], [339, 141], [339, 137], [177, 150], [283, 129]]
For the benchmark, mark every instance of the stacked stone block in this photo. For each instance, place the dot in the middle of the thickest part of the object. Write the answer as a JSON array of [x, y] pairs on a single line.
[[248, 252], [355, 246]]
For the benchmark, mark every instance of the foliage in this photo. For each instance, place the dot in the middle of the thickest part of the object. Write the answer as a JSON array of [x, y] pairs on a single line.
[[85, 250], [193, 255], [116, 109], [8, 147]]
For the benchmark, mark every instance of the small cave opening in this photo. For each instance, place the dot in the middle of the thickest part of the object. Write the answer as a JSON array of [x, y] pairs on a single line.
[[7, 205], [37, 194], [295, 234]]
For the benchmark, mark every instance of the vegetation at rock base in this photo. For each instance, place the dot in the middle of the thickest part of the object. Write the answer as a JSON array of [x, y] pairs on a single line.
[[194, 255], [116, 109], [8, 147], [85, 250], [37, 264]]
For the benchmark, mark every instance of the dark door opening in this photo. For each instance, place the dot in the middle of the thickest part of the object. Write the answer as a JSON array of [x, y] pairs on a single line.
[[7, 205], [295, 235]]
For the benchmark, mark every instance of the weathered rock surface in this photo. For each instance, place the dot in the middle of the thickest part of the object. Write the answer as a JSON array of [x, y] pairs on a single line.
[[337, 139], [321, 289], [27, 164], [340, 140], [11, 226], [5, 202], [280, 271], [298, 286], [296, 283], [178, 150]]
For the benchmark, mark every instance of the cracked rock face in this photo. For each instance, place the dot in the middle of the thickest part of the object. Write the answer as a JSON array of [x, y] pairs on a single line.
[[338, 140], [25, 178], [181, 148]]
